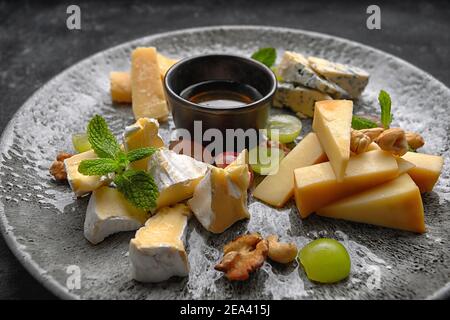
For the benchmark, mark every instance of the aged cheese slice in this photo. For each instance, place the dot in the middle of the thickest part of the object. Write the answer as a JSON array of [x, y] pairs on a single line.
[[427, 169], [176, 176], [316, 186], [79, 183], [120, 86], [157, 251], [295, 68], [332, 124], [108, 212], [353, 80], [277, 189], [299, 99], [404, 166], [395, 204], [146, 86], [120, 82], [144, 133], [220, 198]]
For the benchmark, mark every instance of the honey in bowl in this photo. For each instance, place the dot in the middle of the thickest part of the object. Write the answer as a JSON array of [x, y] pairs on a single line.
[[221, 94]]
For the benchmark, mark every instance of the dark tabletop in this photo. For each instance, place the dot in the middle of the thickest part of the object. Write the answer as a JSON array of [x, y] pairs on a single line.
[[35, 45]]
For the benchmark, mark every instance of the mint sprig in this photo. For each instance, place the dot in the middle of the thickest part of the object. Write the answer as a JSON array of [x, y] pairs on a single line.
[[359, 123], [385, 103], [266, 56], [137, 186]]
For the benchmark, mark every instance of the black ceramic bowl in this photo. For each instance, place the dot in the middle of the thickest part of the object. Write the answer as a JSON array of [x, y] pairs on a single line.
[[209, 67]]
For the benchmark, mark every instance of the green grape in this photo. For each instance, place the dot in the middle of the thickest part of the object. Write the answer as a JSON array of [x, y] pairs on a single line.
[[325, 260], [265, 160], [80, 142], [283, 128]]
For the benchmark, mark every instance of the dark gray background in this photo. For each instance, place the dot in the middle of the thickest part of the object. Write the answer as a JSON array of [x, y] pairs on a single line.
[[35, 45]]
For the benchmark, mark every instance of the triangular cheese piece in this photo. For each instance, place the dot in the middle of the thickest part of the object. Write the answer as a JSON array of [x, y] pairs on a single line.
[[157, 251], [332, 124], [427, 169], [396, 204]]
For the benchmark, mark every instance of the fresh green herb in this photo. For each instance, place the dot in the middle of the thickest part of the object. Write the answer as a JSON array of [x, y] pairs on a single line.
[[137, 186], [359, 123], [385, 103], [266, 56]]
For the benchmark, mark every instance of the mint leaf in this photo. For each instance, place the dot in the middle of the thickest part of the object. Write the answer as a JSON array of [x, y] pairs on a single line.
[[140, 153], [97, 167], [101, 139], [385, 103], [359, 123], [138, 187], [266, 56]]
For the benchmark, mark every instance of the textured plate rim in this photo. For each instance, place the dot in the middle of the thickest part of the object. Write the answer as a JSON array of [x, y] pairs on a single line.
[[25, 259]]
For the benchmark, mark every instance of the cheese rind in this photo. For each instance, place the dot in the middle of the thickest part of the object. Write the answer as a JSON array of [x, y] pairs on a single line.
[[332, 124], [277, 189], [352, 79], [220, 199], [395, 204], [108, 212], [79, 183], [142, 134], [316, 186], [294, 67], [146, 86], [427, 169], [298, 98], [176, 176], [157, 251]]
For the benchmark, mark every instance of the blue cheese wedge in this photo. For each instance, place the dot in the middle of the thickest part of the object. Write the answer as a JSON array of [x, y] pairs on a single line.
[[108, 212], [352, 79], [220, 198], [79, 183], [176, 176], [299, 99], [294, 68], [142, 134], [157, 251]]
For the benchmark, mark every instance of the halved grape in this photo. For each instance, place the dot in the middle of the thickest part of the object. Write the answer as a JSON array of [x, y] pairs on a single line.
[[325, 260], [265, 160], [80, 142], [283, 128]]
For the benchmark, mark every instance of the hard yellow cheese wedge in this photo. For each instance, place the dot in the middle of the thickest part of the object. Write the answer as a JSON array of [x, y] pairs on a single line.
[[120, 82], [316, 186], [146, 86], [157, 251], [142, 134], [277, 189], [395, 204], [427, 169], [220, 199], [79, 183], [108, 212], [332, 124]]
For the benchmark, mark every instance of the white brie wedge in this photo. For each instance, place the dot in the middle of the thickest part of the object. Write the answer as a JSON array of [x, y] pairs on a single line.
[[157, 251], [108, 212]]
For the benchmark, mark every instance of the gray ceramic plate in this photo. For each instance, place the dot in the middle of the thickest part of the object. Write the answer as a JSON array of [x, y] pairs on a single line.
[[43, 223]]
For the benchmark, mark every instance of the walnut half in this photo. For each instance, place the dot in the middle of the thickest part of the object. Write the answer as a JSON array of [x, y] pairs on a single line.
[[242, 256], [57, 169]]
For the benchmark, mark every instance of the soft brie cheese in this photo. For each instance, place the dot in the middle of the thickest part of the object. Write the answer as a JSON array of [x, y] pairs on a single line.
[[220, 199], [299, 99], [108, 212], [176, 176], [157, 251], [295, 68], [352, 79], [79, 183], [142, 134]]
